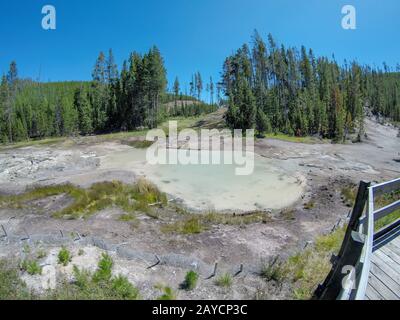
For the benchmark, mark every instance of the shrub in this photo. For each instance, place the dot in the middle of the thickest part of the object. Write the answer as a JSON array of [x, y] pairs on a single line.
[[64, 256], [190, 280]]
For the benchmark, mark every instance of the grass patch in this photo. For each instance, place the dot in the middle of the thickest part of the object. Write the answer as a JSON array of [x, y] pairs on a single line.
[[168, 294], [64, 257], [288, 138], [11, 286], [191, 279], [198, 223], [32, 267], [274, 270], [139, 144], [349, 195], [98, 286], [28, 143], [99, 196], [288, 214], [224, 281], [309, 268]]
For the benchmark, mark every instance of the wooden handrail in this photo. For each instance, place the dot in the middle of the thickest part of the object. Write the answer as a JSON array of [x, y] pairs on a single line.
[[358, 244]]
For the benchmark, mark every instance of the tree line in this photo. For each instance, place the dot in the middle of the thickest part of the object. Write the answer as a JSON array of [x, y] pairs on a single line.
[[276, 89], [132, 98]]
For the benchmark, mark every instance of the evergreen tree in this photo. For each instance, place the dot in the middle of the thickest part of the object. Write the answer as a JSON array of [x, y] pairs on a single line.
[[82, 105], [176, 91]]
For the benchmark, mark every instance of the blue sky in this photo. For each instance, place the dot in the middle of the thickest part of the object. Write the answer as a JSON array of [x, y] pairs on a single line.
[[191, 34]]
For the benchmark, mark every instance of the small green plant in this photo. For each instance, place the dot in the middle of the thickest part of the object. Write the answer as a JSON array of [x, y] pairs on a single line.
[[273, 270], [224, 281], [64, 256], [124, 289], [104, 269], [168, 294], [32, 267], [81, 252], [191, 279]]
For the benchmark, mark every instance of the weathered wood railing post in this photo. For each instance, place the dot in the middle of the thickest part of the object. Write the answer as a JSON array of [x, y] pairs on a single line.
[[350, 251]]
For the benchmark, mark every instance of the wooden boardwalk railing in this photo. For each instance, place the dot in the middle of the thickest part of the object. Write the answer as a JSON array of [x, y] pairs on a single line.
[[348, 278]]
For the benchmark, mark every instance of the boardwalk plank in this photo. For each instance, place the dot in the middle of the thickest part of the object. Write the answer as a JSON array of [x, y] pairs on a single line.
[[372, 294], [392, 255], [393, 248], [385, 264], [386, 280], [380, 287], [396, 242]]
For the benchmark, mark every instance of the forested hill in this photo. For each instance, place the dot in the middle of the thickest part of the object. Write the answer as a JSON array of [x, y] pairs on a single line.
[[277, 89], [133, 97]]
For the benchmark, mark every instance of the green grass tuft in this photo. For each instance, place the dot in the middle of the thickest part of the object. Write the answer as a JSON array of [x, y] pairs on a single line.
[[104, 269], [32, 267], [224, 281], [191, 279], [168, 294], [99, 196], [64, 256]]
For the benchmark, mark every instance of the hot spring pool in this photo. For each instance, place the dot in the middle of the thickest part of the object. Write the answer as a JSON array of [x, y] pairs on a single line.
[[205, 187]]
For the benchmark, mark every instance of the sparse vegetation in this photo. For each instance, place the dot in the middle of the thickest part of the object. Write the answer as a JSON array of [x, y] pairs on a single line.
[[168, 294], [64, 256], [32, 267], [224, 281], [288, 214], [385, 200], [274, 270], [309, 268], [130, 198], [349, 194], [191, 279], [139, 144], [197, 223], [98, 286], [41, 254], [11, 286], [309, 205]]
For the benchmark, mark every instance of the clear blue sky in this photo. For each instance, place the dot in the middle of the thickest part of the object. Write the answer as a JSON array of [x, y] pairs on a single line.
[[191, 34]]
